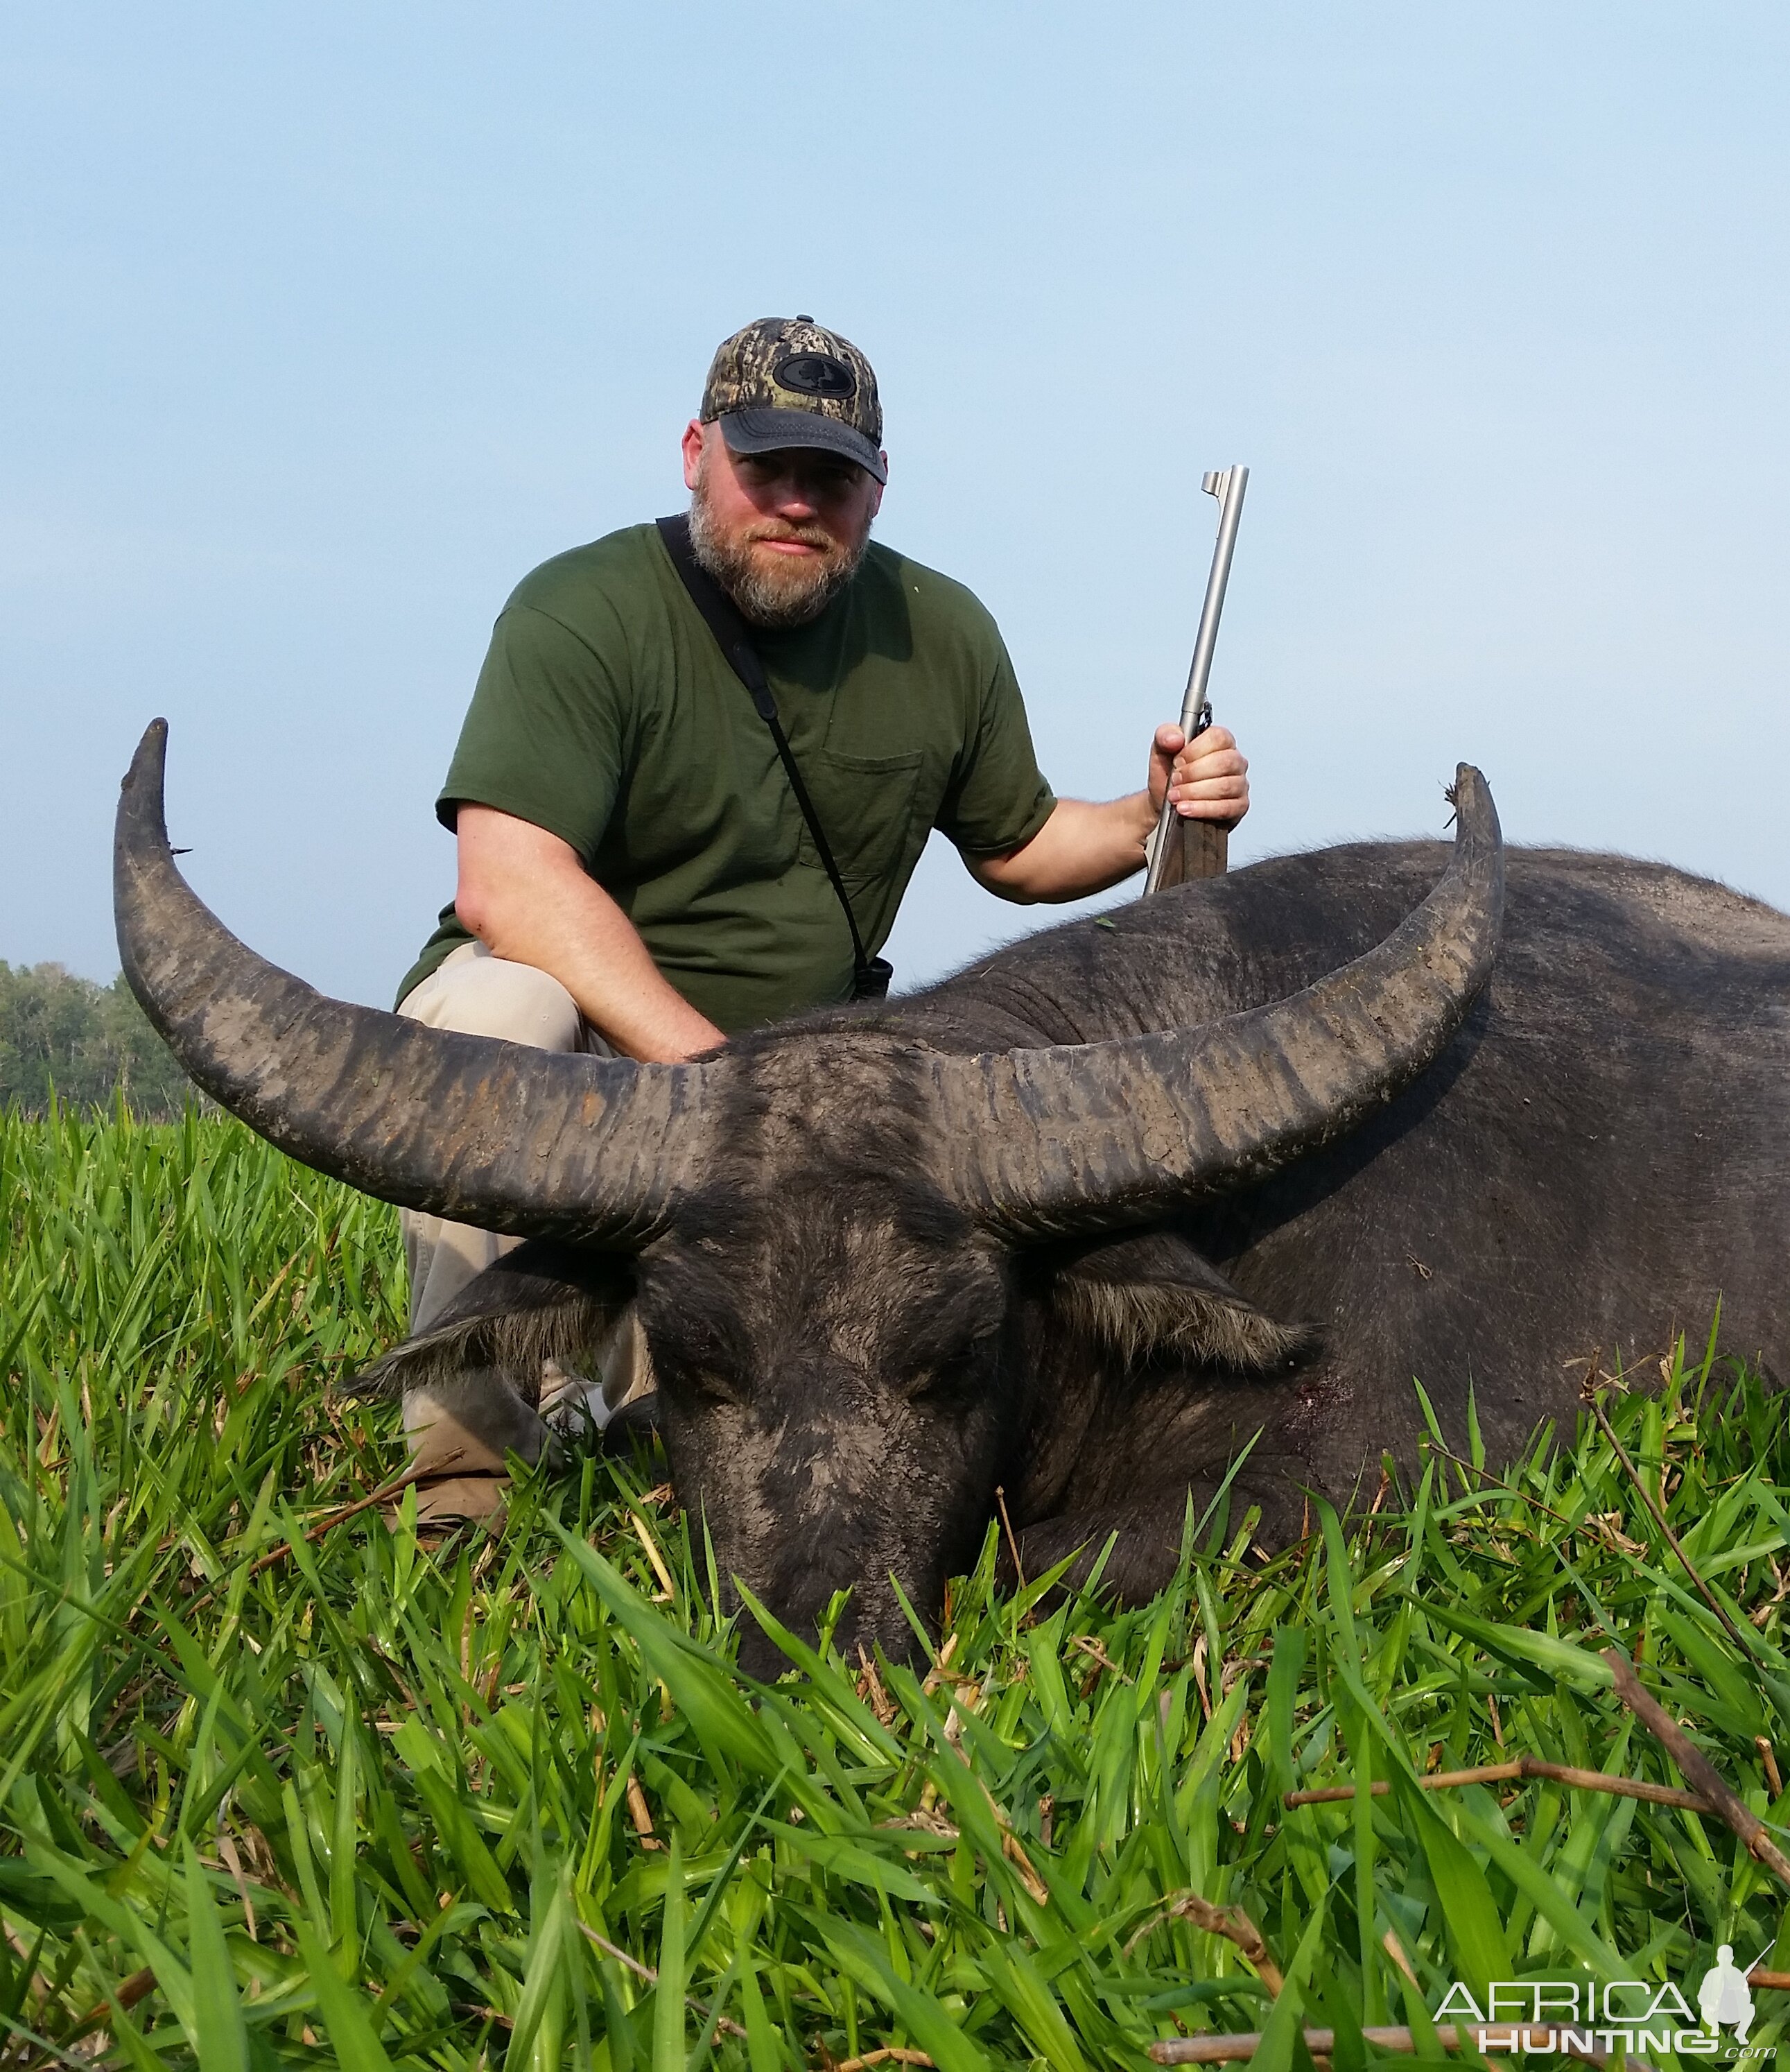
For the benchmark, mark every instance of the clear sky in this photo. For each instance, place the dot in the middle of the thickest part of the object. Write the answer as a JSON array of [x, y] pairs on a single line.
[[322, 324]]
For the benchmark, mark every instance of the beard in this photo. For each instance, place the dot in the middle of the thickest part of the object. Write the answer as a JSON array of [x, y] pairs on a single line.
[[772, 590]]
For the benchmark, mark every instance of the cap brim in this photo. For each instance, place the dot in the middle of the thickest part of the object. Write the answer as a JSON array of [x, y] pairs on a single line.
[[775, 431]]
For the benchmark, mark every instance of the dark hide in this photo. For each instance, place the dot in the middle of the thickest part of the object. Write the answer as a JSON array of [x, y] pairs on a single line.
[[848, 1366]]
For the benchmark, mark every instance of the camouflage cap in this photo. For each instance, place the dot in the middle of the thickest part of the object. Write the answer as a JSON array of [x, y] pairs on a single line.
[[787, 381]]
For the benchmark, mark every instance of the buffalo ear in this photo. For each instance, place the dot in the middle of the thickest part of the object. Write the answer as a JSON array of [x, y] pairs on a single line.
[[1153, 1296], [544, 1301]]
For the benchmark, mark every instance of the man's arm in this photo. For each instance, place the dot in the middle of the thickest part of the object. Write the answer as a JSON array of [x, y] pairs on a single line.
[[1084, 848], [525, 895]]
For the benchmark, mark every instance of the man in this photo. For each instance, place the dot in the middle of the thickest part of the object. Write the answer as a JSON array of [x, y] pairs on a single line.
[[635, 873]]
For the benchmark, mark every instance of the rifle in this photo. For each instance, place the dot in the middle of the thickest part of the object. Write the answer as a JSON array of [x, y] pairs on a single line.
[[1184, 848]]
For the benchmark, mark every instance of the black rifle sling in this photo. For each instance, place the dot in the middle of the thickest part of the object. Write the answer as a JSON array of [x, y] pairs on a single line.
[[870, 976]]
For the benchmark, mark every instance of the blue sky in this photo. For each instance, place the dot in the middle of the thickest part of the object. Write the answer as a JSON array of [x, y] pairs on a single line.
[[322, 326]]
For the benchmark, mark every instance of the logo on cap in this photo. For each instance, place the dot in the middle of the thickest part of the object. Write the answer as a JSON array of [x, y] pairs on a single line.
[[815, 374]]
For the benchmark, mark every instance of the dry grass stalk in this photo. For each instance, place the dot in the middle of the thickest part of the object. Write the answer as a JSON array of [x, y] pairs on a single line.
[[1090, 1646], [1647, 1496], [1395, 1949], [667, 1589], [925, 1819], [1011, 1846], [941, 1668], [330, 1518], [1695, 1767], [1522, 1766], [928, 1821], [226, 1849], [1014, 1851], [130, 1991], [870, 1689], [1013, 1544], [1231, 1922], [646, 1971], [1195, 1664], [890, 2055], [641, 1815], [1605, 1530]]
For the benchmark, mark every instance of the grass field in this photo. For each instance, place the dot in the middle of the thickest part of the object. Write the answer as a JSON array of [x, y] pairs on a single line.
[[276, 1789]]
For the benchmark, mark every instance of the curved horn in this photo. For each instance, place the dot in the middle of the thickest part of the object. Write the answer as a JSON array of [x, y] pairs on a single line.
[[1053, 1140], [512, 1139]]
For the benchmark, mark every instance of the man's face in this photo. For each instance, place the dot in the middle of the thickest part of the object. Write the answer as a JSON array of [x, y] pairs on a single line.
[[783, 532]]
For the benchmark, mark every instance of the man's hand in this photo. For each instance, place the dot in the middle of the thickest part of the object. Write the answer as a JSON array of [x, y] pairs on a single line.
[[1084, 848], [1206, 778]]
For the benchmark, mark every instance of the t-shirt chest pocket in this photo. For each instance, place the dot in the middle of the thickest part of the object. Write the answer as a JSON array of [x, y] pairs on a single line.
[[865, 804]]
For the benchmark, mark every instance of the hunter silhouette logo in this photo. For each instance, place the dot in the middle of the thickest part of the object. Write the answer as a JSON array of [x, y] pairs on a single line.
[[1726, 1996]]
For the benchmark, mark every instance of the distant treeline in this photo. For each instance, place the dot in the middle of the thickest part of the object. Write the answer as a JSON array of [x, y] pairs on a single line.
[[88, 1042]]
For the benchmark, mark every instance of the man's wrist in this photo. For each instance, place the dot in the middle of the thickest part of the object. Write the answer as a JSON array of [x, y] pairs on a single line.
[[654, 1026]]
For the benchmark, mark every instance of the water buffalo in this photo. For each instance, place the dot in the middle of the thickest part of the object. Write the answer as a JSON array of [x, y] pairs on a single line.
[[1242, 1159]]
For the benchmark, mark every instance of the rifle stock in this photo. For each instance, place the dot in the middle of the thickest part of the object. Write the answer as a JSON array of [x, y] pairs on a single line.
[[1195, 848]]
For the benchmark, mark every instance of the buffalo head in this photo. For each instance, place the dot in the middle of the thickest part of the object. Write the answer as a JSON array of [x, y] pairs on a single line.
[[855, 1253]]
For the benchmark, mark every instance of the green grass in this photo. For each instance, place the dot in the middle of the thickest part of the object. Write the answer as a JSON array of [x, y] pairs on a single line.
[[371, 1804]]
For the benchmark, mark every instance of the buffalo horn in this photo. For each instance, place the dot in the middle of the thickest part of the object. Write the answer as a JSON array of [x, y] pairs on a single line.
[[512, 1139], [1096, 1135]]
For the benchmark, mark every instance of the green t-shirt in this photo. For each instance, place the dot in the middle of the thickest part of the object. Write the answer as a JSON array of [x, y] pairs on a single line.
[[606, 714]]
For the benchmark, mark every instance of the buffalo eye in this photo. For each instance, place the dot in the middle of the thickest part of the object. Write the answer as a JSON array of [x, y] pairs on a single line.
[[956, 1372], [712, 1384]]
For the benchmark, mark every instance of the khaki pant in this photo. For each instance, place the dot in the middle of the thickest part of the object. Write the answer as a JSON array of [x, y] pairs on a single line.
[[477, 994]]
